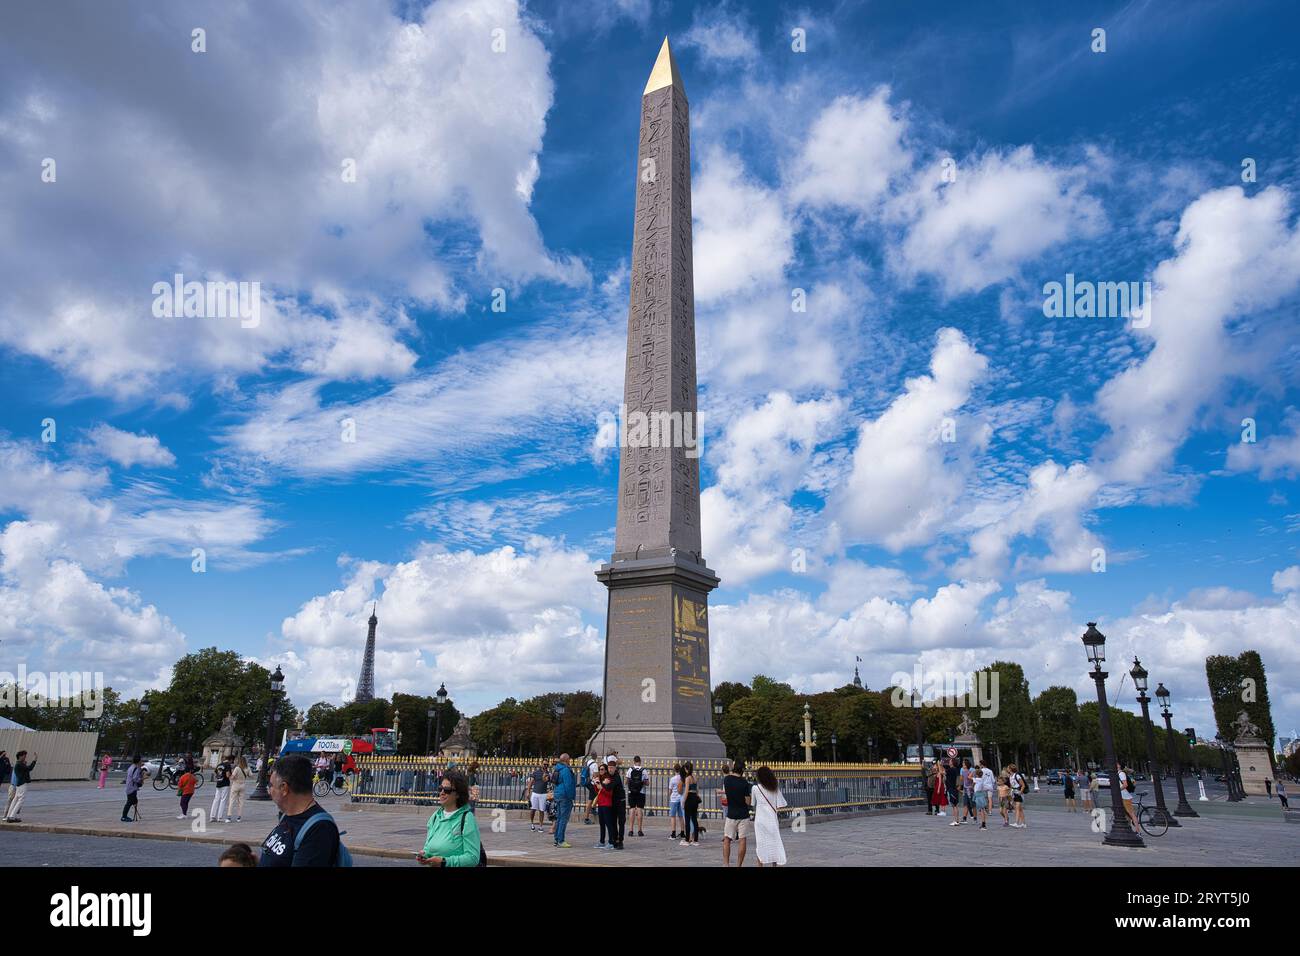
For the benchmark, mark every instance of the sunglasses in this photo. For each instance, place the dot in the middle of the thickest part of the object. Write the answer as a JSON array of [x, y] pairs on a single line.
[[448, 789]]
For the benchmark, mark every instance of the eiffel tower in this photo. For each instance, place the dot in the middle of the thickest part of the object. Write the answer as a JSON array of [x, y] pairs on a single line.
[[366, 683]]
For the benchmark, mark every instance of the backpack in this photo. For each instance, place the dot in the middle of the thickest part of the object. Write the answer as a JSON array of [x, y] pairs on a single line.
[[343, 857], [635, 780], [1022, 785], [1128, 783], [482, 853], [585, 777]]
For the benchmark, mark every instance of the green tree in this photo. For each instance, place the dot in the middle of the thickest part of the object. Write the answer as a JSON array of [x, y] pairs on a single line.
[[1237, 684], [1057, 710]]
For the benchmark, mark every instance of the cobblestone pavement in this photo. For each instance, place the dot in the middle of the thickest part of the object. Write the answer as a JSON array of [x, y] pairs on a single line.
[[1249, 833]]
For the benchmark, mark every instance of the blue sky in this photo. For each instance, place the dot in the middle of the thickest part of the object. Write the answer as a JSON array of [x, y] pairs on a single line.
[[920, 172]]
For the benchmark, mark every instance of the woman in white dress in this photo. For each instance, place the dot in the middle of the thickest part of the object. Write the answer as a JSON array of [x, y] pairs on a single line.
[[767, 825]]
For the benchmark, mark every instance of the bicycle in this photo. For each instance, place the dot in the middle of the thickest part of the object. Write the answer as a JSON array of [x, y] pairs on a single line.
[[167, 778], [1149, 818], [339, 787]]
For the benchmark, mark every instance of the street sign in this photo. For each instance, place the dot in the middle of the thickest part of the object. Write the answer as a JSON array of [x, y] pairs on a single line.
[[952, 751]]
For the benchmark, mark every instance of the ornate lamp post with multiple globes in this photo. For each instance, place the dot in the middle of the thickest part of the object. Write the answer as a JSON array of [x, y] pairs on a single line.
[[264, 771], [1184, 808], [1140, 675], [1121, 834]]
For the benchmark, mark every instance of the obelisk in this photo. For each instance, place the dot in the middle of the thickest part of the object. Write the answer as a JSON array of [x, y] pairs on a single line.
[[657, 701]]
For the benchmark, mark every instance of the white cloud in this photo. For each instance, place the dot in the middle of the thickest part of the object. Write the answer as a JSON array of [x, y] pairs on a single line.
[[746, 524], [129, 449], [721, 36], [1003, 211], [481, 621], [1053, 501], [445, 135], [853, 151], [904, 478], [1277, 454], [1234, 254], [741, 233]]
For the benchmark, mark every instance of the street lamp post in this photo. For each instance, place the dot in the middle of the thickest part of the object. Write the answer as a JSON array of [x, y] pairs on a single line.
[[717, 715], [920, 735], [1184, 808], [139, 724], [834, 743], [428, 732], [1140, 675], [171, 727], [264, 771], [559, 725], [1121, 834], [442, 699]]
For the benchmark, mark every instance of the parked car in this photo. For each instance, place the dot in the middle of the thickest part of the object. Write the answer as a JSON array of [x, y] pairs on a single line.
[[1053, 777], [1103, 781]]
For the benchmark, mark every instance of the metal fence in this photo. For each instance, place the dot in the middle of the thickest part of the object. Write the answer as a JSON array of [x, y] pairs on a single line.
[[820, 788]]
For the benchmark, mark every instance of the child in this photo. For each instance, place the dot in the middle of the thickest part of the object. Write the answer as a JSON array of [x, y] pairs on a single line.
[[240, 854], [185, 787]]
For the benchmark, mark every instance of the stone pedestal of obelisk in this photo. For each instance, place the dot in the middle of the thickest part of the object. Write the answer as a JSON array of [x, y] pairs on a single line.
[[658, 693]]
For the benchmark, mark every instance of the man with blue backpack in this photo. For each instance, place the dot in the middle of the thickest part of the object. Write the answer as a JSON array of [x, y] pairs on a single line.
[[306, 835]]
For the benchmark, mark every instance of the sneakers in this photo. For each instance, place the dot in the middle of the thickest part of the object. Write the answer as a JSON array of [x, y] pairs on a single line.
[[955, 823], [180, 816], [984, 826], [124, 820], [533, 827], [685, 843], [563, 846], [602, 846], [640, 833]]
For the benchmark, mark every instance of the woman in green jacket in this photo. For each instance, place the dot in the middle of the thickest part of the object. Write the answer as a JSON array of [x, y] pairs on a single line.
[[453, 837]]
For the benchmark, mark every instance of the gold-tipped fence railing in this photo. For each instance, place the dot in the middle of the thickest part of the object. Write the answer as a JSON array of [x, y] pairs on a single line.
[[505, 782]]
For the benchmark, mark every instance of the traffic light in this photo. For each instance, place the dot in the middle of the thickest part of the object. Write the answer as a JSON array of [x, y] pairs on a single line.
[[1190, 734]]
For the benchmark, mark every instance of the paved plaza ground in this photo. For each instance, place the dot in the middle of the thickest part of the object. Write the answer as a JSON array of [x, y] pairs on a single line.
[[71, 824]]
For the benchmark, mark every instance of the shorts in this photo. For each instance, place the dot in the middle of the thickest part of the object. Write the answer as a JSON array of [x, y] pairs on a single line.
[[952, 797], [737, 829], [636, 801], [1126, 795], [1017, 798], [675, 808], [537, 801], [981, 800]]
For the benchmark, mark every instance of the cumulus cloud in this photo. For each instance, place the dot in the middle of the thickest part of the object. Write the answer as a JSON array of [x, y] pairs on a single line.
[[443, 135], [746, 524], [721, 36], [1276, 455], [742, 236], [479, 620], [904, 478], [1003, 210], [129, 449], [853, 151], [1235, 254]]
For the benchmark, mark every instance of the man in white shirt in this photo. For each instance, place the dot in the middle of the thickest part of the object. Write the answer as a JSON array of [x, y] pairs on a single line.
[[983, 794]]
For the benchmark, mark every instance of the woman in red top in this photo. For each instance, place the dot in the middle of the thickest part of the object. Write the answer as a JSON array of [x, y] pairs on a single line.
[[940, 792], [605, 806]]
